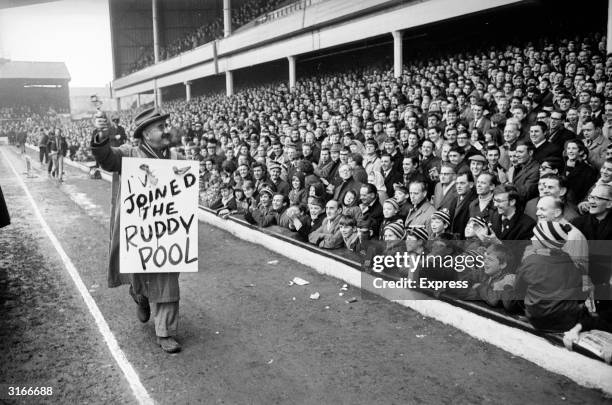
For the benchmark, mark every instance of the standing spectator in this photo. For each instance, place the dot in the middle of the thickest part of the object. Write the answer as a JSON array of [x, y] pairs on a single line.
[[595, 142], [371, 209], [526, 173], [43, 154], [508, 222], [483, 206], [422, 209], [460, 213]]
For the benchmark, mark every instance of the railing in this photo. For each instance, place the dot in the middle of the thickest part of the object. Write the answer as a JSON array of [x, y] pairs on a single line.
[[284, 11]]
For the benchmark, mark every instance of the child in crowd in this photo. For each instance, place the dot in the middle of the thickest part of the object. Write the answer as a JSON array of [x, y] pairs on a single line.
[[350, 205], [350, 234], [390, 216], [440, 222], [402, 197], [249, 201], [298, 194], [496, 284], [416, 236]]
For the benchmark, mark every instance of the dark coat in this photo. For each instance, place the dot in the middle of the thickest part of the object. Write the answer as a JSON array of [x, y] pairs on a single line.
[[547, 150], [580, 179], [520, 227], [281, 187], [561, 136], [486, 214], [374, 214], [599, 234], [158, 287], [5, 219], [460, 213], [447, 200], [550, 286], [360, 175], [341, 189], [526, 180], [394, 176], [308, 225]]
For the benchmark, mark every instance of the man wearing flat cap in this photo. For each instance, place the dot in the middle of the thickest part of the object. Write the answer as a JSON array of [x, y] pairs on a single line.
[[152, 292]]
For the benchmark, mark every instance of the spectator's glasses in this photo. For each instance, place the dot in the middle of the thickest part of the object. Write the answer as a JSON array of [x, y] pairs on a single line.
[[598, 198], [545, 167]]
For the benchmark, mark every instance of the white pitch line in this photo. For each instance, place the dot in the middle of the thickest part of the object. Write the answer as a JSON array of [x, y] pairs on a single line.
[[139, 391]]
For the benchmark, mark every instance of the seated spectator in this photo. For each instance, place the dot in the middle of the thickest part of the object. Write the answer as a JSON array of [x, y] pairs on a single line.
[[579, 173], [390, 215], [347, 183], [350, 205], [508, 222], [355, 161], [496, 288], [596, 226], [548, 281], [543, 149], [227, 203], [445, 193], [422, 209], [298, 194], [393, 231], [403, 200], [249, 202], [440, 223], [264, 214], [313, 219], [371, 209], [280, 185], [595, 142], [483, 206], [349, 232], [390, 175], [328, 235], [460, 213], [492, 155], [526, 173], [555, 186]]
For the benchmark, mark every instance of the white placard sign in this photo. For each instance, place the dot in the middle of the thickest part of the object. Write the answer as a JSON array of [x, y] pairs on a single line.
[[159, 216]]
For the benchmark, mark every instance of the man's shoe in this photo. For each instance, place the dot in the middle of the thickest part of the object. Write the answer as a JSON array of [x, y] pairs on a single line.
[[143, 312], [169, 344]]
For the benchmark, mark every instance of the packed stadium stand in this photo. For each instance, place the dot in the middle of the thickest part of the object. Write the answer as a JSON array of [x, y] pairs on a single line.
[[494, 129]]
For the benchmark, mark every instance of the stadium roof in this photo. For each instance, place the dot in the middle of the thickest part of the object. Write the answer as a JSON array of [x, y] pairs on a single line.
[[21, 3], [33, 70]]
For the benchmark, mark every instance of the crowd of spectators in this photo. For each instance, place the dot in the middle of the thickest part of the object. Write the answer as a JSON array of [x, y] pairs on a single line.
[[503, 154], [23, 125], [242, 15]]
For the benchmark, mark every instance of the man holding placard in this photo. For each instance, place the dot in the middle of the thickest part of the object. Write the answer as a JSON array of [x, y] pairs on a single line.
[[154, 225]]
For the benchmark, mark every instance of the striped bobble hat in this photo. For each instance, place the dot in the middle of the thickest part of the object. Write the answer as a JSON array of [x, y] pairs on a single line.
[[393, 203], [397, 228], [551, 234], [418, 231], [479, 221], [443, 215]]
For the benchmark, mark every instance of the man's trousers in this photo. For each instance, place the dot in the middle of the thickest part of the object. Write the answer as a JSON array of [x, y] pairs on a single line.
[[166, 318]]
